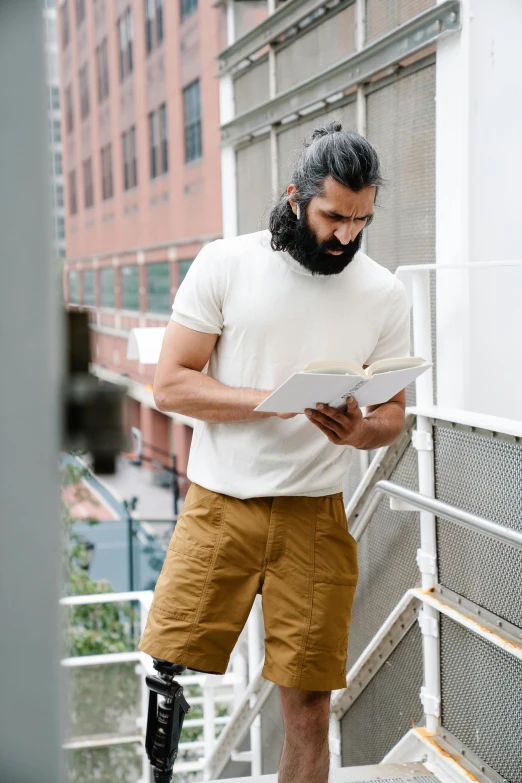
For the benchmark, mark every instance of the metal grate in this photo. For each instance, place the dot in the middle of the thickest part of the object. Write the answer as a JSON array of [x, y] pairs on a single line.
[[381, 17], [254, 186], [481, 703], [272, 733], [312, 52], [290, 139], [481, 475], [115, 763], [387, 565], [387, 708], [251, 86]]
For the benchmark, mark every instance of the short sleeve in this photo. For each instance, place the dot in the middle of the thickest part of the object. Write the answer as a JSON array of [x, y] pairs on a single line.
[[198, 303], [394, 339]]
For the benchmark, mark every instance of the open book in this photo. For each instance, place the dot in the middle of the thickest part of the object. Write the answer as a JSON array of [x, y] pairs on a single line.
[[333, 380]]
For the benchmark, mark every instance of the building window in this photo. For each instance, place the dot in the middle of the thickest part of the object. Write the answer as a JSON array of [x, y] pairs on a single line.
[[102, 70], [89, 293], [83, 79], [126, 39], [192, 118], [65, 24], [74, 288], [106, 172], [149, 24], [60, 228], [58, 166], [130, 39], [54, 97], [153, 144], [80, 12], [183, 267], [158, 287], [69, 111], [130, 288], [107, 294], [187, 7], [164, 138], [73, 204], [159, 21], [130, 169], [58, 196], [88, 191], [57, 131]]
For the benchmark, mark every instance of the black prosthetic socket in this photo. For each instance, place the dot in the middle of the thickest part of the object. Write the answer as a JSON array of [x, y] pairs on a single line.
[[165, 721]]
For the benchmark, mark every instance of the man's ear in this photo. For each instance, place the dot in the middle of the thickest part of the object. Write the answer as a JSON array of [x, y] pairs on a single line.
[[291, 191]]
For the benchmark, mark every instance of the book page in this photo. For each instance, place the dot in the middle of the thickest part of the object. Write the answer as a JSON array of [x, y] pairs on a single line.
[[335, 367], [383, 386], [396, 363], [304, 390]]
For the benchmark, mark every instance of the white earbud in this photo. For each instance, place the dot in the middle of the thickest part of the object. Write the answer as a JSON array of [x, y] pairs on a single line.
[[298, 212]]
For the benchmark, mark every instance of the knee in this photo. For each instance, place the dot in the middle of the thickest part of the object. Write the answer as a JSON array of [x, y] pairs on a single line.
[[307, 717]]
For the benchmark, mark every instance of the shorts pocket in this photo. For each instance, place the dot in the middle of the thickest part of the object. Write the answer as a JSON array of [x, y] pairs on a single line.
[[331, 614], [185, 572], [335, 549]]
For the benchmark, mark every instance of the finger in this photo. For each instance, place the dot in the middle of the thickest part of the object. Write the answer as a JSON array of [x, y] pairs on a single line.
[[326, 421], [332, 413], [330, 434], [351, 404]]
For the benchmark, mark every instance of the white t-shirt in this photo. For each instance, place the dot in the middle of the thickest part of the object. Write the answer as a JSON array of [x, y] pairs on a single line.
[[273, 317]]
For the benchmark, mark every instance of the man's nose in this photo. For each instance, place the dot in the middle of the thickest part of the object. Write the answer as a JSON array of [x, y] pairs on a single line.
[[346, 232]]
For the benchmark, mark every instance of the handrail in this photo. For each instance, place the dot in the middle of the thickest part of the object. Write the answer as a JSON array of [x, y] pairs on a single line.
[[423, 503]]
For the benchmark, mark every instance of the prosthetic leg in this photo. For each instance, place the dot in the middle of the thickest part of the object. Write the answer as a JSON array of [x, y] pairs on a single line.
[[165, 721]]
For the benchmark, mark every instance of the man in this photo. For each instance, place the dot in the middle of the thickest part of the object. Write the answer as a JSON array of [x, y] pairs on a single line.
[[265, 513]]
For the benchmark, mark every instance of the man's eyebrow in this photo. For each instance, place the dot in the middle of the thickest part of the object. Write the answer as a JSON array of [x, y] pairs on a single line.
[[335, 214]]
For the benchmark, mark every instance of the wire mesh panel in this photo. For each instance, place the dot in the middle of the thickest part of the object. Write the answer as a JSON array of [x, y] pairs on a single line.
[[387, 708], [103, 701], [481, 699], [272, 733], [484, 476], [401, 125], [290, 139], [387, 566], [314, 51], [111, 764], [383, 16], [251, 86], [254, 186]]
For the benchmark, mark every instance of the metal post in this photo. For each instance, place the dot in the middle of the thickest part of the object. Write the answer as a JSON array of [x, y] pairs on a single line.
[[254, 661], [427, 555], [31, 366]]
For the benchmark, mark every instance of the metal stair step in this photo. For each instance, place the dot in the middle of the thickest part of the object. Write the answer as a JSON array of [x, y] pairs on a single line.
[[375, 773]]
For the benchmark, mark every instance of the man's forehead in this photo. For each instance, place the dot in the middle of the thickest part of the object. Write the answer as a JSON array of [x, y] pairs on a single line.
[[339, 198]]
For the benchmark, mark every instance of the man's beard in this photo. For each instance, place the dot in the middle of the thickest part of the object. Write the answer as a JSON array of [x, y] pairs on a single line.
[[314, 256]]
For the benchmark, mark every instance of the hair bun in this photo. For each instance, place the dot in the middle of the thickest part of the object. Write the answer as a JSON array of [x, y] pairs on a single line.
[[326, 130]]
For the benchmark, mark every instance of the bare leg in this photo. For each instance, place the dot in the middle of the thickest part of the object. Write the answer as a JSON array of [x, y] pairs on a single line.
[[306, 715]]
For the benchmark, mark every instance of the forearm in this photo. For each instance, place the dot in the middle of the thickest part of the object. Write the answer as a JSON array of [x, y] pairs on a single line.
[[195, 394], [382, 426]]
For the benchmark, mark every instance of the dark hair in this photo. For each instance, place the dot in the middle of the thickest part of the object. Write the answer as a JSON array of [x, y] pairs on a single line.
[[329, 152]]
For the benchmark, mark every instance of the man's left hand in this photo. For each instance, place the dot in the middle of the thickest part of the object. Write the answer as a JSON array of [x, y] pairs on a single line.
[[342, 427]]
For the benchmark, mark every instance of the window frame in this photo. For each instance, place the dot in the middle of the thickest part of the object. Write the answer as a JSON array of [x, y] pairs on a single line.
[[90, 275], [192, 122], [88, 185], [135, 274], [153, 146], [159, 301], [73, 197], [163, 138], [103, 287]]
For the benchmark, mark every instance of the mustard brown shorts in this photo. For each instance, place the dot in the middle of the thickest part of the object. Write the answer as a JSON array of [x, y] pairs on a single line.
[[295, 551]]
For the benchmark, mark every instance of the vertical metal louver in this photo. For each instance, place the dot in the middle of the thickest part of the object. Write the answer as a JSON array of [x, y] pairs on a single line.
[[254, 186], [383, 16], [314, 51]]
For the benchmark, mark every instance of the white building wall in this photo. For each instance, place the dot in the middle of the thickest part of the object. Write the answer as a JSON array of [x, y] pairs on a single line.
[[479, 165]]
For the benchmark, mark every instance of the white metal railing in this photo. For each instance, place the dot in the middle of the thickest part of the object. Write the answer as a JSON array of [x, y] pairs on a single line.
[[215, 689]]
